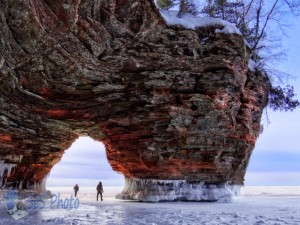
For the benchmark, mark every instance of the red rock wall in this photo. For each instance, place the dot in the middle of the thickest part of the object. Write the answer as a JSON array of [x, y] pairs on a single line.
[[167, 104]]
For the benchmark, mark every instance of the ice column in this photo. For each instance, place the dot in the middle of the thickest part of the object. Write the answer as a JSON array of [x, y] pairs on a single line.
[[39, 186]]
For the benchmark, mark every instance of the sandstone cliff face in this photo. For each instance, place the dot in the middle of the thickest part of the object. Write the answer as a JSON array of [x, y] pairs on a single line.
[[168, 103]]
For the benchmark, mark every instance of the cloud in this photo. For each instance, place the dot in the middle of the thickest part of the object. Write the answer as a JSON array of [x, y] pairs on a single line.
[[277, 161], [272, 179], [82, 182]]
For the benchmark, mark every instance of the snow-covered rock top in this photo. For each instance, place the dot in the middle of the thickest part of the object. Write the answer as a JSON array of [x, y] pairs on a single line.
[[190, 21]]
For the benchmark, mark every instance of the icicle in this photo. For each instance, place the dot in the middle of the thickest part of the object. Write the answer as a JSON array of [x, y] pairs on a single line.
[[43, 183], [5, 167], [10, 167], [5, 171], [39, 186], [1, 168], [20, 185]]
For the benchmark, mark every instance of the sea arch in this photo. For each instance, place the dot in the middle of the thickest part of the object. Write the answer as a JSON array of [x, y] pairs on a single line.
[[169, 103]]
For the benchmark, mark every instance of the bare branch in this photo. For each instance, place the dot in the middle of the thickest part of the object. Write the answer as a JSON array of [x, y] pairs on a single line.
[[265, 24], [246, 13], [294, 8]]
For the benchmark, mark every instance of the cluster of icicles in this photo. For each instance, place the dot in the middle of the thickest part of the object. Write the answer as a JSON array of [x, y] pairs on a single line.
[[147, 190], [5, 171]]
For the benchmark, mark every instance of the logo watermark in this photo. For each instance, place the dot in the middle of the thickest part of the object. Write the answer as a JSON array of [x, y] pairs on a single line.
[[67, 203], [14, 207], [20, 208]]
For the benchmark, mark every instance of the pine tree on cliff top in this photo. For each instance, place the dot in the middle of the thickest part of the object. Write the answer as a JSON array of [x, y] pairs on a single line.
[[185, 6], [165, 4]]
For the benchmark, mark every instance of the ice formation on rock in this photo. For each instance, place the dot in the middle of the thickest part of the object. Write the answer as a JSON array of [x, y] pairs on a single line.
[[147, 190], [5, 171], [40, 186]]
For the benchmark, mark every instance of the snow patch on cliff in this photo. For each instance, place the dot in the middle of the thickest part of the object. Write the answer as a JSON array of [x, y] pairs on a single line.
[[190, 21], [252, 65]]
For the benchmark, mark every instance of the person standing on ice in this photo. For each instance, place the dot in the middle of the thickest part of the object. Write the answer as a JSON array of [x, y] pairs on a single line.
[[99, 190], [76, 189]]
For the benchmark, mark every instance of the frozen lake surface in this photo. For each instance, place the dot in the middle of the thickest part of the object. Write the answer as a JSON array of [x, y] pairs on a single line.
[[257, 205]]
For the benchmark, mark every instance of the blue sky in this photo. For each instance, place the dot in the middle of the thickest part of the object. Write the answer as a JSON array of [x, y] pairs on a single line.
[[275, 160], [276, 157]]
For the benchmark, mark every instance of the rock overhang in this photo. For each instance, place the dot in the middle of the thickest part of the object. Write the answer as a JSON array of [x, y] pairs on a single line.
[[169, 103]]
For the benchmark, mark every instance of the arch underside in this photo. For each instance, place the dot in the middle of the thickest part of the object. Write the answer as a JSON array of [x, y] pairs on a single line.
[[164, 108]]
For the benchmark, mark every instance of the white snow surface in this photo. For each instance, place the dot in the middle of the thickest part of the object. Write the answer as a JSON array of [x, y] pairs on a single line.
[[256, 206], [190, 21]]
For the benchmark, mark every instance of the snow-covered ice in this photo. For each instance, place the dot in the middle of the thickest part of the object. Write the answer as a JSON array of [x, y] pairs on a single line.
[[257, 205]]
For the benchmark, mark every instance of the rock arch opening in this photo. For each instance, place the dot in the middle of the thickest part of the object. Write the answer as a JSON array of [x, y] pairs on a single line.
[[84, 163]]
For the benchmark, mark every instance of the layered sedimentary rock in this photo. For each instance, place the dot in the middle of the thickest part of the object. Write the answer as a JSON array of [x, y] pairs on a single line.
[[169, 103]]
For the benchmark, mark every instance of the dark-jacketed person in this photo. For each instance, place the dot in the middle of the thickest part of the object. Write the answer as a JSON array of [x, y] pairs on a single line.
[[99, 190], [76, 189]]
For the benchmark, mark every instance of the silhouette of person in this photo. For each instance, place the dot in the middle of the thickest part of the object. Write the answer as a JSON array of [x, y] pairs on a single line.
[[76, 189], [99, 190]]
